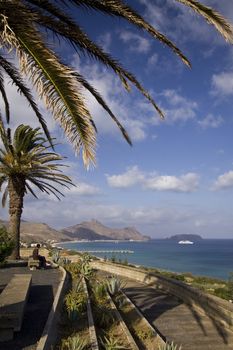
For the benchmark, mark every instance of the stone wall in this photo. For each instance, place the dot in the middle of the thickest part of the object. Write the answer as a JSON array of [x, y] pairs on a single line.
[[219, 309]]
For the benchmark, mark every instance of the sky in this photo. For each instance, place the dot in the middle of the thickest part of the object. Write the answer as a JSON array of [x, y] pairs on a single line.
[[178, 176]]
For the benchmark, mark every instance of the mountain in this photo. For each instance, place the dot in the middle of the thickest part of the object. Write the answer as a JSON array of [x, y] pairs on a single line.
[[93, 230], [184, 237], [38, 232]]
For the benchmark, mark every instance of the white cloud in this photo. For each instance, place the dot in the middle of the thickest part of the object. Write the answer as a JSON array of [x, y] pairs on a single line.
[[210, 121], [224, 181], [119, 101], [83, 189], [21, 112], [130, 178], [136, 129], [185, 183], [178, 108], [105, 41], [153, 59], [136, 42], [222, 83], [180, 23], [134, 176]]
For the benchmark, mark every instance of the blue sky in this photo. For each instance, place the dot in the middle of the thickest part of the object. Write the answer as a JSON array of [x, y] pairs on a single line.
[[178, 176]]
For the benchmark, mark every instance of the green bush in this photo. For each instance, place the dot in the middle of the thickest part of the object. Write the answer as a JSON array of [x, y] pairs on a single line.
[[222, 293], [6, 244]]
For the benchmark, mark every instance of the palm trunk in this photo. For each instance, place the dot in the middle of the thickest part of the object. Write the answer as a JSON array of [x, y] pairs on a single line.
[[16, 187]]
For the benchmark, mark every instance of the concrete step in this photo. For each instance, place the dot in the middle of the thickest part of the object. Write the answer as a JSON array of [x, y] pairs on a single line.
[[179, 322]]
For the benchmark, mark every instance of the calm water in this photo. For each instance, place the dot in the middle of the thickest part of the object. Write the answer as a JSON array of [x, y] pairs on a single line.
[[209, 257]]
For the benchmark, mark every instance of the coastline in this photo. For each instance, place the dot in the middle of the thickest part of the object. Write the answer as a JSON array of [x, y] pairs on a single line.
[[211, 258], [102, 241]]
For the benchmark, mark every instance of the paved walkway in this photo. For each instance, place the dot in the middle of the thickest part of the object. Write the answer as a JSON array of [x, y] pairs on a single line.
[[177, 321], [41, 296]]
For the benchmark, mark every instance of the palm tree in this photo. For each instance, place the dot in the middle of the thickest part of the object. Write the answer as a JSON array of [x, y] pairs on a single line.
[[26, 161], [23, 26]]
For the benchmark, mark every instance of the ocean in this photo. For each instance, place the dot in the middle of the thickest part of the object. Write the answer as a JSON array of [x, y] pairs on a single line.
[[207, 257]]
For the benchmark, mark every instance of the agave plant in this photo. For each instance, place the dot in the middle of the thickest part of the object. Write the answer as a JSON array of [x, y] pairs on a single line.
[[104, 315], [74, 343], [111, 343], [55, 256], [114, 285], [100, 290], [75, 304], [73, 269], [169, 346]]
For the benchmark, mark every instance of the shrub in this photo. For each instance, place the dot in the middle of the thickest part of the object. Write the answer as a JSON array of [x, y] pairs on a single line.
[[230, 285], [222, 293], [6, 244]]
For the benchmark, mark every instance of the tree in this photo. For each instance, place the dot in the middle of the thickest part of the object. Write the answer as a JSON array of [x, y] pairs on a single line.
[[23, 25], [26, 161], [6, 244]]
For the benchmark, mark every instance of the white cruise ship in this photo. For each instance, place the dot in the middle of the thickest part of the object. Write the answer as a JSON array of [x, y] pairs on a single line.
[[185, 242]]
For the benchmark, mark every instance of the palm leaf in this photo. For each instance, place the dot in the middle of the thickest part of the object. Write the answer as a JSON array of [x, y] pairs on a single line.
[[212, 17], [120, 9], [4, 197], [79, 39], [13, 73], [4, 96], [59, 90]]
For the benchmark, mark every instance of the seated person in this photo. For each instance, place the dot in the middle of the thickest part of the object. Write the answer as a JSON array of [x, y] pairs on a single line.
[[37, 256]]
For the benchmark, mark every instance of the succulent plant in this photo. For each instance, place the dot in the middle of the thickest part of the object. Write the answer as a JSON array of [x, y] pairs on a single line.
[[111, 343], [169, 346], [114, 285], [74, 343], [75, 304]]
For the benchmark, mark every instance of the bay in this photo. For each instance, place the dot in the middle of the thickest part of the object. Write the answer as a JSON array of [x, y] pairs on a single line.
[[207, 257]]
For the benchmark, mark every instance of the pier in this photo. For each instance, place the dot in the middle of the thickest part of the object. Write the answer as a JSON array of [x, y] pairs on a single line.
[[108, 251]]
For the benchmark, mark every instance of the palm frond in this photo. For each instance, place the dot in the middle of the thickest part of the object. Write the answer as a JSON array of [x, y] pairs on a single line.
[[28, 187], [213, 17], [4, 96], [59, 90], [79, 39], [27, 160], [3, 179], [120, 9], [17, 80], [4, 197], [101, 101]]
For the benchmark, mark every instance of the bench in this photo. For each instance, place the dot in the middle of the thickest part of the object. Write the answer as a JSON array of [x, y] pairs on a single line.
[[32, 263], [13, 300]]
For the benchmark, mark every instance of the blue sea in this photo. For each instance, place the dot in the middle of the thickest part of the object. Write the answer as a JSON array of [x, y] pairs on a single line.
[[208, 257]]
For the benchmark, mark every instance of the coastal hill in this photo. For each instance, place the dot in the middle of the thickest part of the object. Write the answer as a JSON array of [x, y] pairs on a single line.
[[38, 232], [183, 237], [95, 230], [88, 230]]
